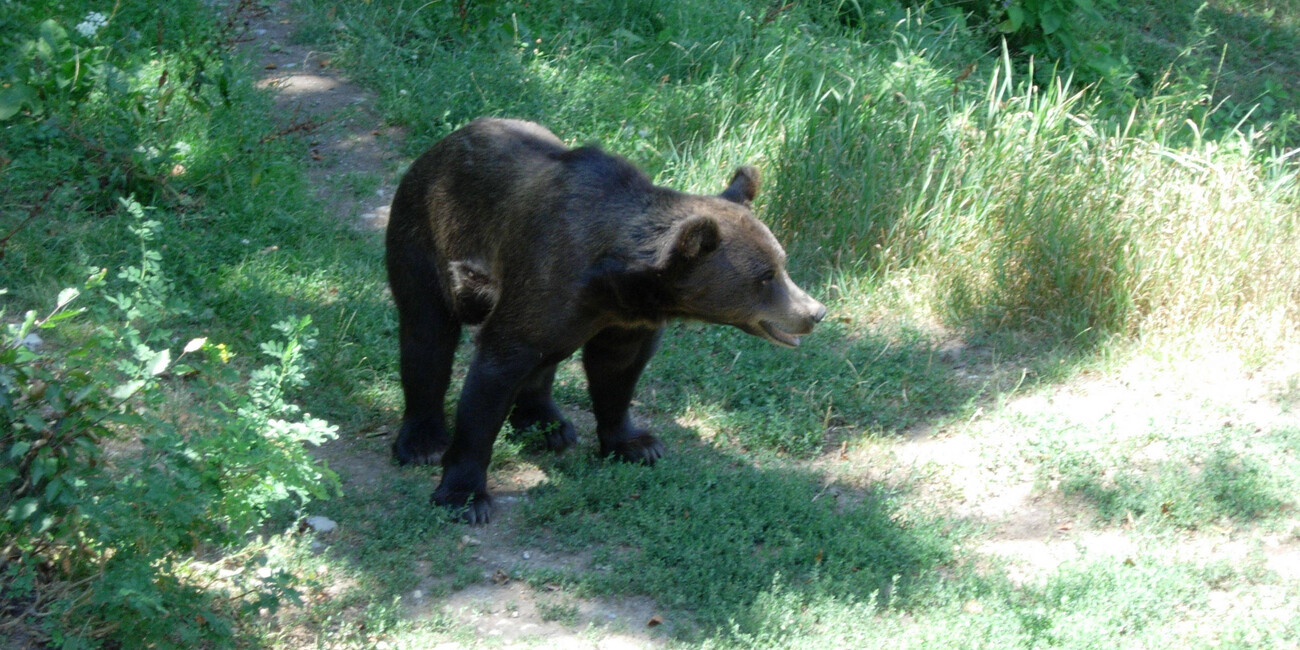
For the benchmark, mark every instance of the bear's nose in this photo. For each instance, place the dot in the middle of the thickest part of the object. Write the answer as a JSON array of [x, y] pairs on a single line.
[[819, 313]]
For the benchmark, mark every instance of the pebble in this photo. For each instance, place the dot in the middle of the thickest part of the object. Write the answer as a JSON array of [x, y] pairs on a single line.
[[321, 524]]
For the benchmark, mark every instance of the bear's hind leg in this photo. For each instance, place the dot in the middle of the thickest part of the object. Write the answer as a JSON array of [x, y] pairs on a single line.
[[614, 359], [535, 408], [429, 333]]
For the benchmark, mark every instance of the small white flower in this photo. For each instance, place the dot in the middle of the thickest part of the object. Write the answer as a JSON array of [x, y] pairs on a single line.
[[93, 22]]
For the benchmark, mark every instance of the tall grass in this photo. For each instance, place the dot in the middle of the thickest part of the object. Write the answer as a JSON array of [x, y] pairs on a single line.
[[1007, 203], [1045, 215], [1022, 209]]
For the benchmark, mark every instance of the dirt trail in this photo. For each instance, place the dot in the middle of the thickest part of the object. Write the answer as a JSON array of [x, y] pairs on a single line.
[[346, 139]]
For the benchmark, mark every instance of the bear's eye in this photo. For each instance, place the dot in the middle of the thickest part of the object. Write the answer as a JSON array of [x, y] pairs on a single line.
[[767, 276]]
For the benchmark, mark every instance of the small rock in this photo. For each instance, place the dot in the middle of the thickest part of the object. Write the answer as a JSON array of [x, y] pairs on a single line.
[[466, 540], [417, 595], [527, 555], [380, 212], [33, 342], [321, 525]]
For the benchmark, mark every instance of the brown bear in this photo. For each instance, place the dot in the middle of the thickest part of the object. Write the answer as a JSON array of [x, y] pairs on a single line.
[[553, 249]]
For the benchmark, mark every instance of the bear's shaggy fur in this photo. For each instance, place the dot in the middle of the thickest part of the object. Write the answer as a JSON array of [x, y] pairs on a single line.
[[553, 249]]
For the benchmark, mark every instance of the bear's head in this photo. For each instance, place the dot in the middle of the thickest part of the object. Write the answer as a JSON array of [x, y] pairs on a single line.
[[727, 268]]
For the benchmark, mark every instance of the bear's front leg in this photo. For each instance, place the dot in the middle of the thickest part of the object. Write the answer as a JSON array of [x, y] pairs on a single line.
[[490, 387], [613, 360]]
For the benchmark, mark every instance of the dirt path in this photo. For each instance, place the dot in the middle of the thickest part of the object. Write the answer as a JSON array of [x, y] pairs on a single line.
[[347, 139], [348, 144]]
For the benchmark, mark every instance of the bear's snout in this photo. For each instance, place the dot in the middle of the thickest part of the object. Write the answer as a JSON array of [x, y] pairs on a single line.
[[808, 309], [797, 317]]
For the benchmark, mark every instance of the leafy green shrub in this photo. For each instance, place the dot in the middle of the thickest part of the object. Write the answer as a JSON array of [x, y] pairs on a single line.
[[122, 463], [114, 103], [1057, 30], [50, 70]]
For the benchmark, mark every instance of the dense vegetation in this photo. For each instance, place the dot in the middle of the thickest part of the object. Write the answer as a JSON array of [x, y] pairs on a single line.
[[1052, 179]]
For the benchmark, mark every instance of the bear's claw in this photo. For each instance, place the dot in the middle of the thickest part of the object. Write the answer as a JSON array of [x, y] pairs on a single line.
[[640, 447], [419, 444], [473, 507]]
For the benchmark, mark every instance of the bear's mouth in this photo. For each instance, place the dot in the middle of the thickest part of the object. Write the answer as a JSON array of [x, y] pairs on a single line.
[[777, 335]]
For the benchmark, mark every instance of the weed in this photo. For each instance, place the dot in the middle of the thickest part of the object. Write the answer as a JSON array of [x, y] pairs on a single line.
[[561, 611]]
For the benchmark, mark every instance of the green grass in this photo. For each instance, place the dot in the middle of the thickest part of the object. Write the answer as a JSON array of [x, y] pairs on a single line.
[[1193, 481], [734, 386], [1085, 604], [707, 533], [1055, 231]]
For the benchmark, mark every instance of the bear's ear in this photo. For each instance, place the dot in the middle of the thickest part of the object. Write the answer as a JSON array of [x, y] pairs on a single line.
[[692, 238], [743, 187]]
